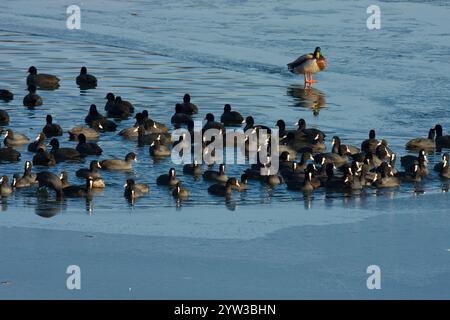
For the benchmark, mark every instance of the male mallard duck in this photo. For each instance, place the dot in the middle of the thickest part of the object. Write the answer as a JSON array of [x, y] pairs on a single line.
[[308, 64]]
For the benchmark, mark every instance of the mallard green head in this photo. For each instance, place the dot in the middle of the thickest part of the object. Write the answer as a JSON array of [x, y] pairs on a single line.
[[317, 53]]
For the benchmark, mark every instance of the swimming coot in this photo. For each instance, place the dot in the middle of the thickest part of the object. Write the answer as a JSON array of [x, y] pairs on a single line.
[[93, 173], [43, 158], [231, 118], [38, 143], [187, 106], [169, 179], [87, 148], [422, 143], [117, 164], [180, 117], [283, 132], [85, 80], [414, 176], [219, 189], [243, 183], [32, 99], [132, 191], [91, 133], [51, 129], [94, 115], [370, 145], [110, 101], [116, 104], [212, 124], [6, 95], [4, 118], [298, 181], [442, 141], [127, 104], [250, 125], [148, 139], [337, 156], [409, 161], [158, 150], [443, 166], [385, 181], [192, 168], [83, 191], [5, 188], [383, 152], [64, 177], [272, 179], [218, 176], [15, 139], [50, 180], [118, 110], [42, 80], [27, 180], [152, 126], [310, 134], [63, 154], [180, 192]]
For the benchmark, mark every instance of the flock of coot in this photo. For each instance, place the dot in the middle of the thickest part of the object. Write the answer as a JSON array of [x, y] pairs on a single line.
[[304, 164]]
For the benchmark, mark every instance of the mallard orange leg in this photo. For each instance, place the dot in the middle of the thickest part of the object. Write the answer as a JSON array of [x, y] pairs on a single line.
[[311, 78], [308, 78]]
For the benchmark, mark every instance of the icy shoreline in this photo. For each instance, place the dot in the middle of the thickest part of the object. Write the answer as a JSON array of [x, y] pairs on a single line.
[[325, 262]]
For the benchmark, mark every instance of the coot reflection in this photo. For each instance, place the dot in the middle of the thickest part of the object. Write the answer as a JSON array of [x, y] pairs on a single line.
[[47, 208]]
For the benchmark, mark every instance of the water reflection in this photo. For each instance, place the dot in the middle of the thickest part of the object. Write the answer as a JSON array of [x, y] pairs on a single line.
[[445, 187], [89, 207], [308, 201], [85, 88], [230, 204], [307, 97], [48, 208], [49, 87], [179, 202], [4, 204]]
